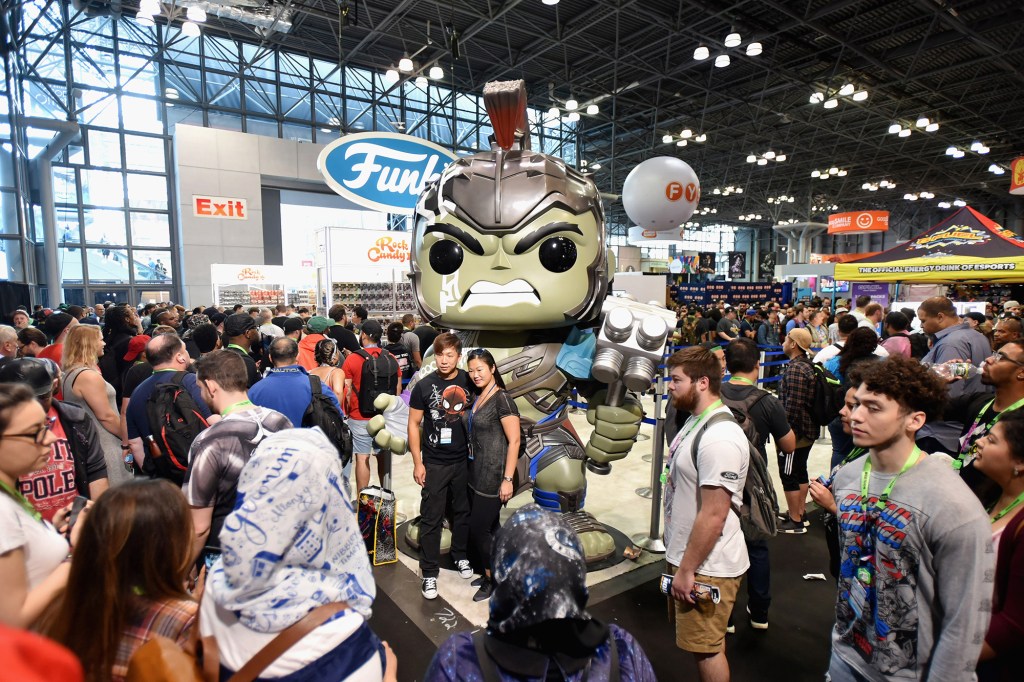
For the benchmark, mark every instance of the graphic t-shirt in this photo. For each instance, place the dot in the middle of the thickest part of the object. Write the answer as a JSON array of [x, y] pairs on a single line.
[[730, 327], [216, 459], [915, 578], [443, 401], [53, 487]]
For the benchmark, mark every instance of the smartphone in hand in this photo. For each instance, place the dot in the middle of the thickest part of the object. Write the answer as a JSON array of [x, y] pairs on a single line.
[[76, 508]]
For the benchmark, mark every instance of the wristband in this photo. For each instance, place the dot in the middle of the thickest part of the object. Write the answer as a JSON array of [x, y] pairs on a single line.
[[507, 479]]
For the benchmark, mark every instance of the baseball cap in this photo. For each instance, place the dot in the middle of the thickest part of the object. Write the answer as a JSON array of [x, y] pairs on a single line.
[[238, 324], [373, 329], [136, 346], [801, 337], [842, 310], [1010, 304], [292, 325], [35, 372], [318, 324], [751, 311], [56, 323]]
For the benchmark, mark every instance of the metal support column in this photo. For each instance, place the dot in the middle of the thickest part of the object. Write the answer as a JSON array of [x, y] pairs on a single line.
[[653, 542]]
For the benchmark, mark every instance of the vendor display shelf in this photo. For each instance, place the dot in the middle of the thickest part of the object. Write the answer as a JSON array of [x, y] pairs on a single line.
[[245, 294], [301, 297], [382, 297]]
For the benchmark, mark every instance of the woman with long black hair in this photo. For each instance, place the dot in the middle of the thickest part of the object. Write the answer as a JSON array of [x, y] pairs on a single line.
[[493, 427]]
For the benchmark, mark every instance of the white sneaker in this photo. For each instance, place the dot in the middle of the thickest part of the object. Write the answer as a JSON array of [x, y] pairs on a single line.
[[464, 569], [429, 588]]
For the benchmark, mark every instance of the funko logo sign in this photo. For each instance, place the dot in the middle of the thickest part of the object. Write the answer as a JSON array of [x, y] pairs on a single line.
[[219, 207], [382, 171]]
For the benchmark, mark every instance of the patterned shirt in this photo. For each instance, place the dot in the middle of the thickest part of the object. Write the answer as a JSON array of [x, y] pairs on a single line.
[[172, 619], [796, 390]]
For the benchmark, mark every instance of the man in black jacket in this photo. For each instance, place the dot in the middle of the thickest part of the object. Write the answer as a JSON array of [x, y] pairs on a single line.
[[76, 465]]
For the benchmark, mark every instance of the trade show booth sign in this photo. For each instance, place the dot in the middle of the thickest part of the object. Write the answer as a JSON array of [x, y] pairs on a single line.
[[859, 222]]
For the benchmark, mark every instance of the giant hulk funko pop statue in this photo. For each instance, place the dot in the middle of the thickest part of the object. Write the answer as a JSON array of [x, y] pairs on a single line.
[[508, 250]]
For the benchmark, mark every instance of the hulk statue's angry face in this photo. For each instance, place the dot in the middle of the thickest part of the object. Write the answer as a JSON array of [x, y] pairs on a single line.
[[509, 240]]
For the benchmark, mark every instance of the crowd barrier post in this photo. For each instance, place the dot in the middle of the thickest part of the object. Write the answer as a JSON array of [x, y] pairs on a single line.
[[653, 541]]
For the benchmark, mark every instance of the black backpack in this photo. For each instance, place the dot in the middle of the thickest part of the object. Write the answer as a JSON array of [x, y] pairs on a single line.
[[403, 358], [379, 375], [174, 422], [828, 396], [918, 344], [322, 412], [759, 514]]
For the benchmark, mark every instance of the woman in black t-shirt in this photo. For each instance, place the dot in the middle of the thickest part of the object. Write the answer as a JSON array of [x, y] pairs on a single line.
[[493, 427]]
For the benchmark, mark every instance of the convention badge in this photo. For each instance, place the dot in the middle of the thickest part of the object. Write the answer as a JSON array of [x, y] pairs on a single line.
[[446, 436], [858, 598], [864, 576]]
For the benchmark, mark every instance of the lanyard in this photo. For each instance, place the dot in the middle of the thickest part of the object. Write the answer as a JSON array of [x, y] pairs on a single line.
[[239, 348], [476, 405], [230, 408], [1007, 509], [967, 447], [884, 497], [854, 454], [681, 436], [169, 369], [20, 499], [741, 380]]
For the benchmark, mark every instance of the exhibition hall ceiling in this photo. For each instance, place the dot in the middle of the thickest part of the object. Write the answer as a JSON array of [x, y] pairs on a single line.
[[822, 89]]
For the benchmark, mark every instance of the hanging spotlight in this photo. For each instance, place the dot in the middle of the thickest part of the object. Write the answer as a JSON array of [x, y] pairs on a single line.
[[769, 154], [700, 138], [983, 149], [595, 166], [571, 104], [959, 154], [196, 14], [150, 7], [831, 103], [554, 113], [422, 81], [860, 95], [931, 127], [687, 133], [701, 53], [592, 110], [190, 29], [817, 97], [405, 65], [751, 158], [960, 203], [550, 2], [950, 151], [842, 173], [722, 60], [904, 132], [922, 122], [733, 39], [780, 158], [895, 128], [762, 162], [846, 90], [436, 72], [944, 204], [753, 49], [391, 76], [665, 139], [833, 171], [573, 117], [815, 173], [681, 143], [143, 19], [975, 146]]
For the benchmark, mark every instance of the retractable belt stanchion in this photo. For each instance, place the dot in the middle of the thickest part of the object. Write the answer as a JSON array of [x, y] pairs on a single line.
[[653, 542]]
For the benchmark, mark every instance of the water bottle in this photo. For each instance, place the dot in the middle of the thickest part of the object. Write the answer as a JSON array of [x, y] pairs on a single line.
[[955, 370]]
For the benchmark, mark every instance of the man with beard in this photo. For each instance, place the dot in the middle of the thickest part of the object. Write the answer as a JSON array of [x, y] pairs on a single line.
[[706, 549]]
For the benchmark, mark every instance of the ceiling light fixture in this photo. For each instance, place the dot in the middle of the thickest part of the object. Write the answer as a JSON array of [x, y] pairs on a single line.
[[701, 53], [895, 128], [687, 133], [815, 173], [983, 150], [975, 146], [190, 29], [959, 154], [846, 90], [681, 143], [573, 116], [592, 110], [769, 154], [196, 14], [754, 49], [931, 127], [817, 97], [904, 132], [922, 122], [550, 2], [722, 61], [571, 104], [833, 171], [842, 173], [751, 158], [422, 81], [860, 95], [959, 202], [762, 162], [701, 138], [665, 139], [150, 7], [945, 204], [831, 103], [391, 76], [779, 158], [553, 113], [733, 39], [405, 65], [595, 166], [436, 72]]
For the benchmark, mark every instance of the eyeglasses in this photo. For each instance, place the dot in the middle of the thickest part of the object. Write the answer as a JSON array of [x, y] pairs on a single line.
[[39, 435], [999, 357]]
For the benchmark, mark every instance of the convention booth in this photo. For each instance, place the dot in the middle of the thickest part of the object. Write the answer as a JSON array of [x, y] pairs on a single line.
[[966, 246], [262, 285], [364, 267]]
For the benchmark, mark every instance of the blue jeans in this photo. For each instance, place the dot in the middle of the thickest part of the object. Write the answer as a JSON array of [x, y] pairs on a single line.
[[759, 594]]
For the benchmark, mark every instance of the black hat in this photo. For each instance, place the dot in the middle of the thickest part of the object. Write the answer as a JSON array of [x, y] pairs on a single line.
[[56, 323], [293, 324], [238, 324], [35, 372], [372, 329]]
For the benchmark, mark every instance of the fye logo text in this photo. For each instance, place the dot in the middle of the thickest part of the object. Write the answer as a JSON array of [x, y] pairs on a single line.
[[219, 207], [382, 171]]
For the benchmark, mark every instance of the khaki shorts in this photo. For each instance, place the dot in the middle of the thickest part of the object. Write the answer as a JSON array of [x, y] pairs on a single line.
[[701, 628]]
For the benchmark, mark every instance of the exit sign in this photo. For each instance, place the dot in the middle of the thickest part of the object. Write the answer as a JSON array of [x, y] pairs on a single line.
[[226, 208]]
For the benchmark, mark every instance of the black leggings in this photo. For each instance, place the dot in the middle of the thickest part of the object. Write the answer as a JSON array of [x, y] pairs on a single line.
[[483, 524]]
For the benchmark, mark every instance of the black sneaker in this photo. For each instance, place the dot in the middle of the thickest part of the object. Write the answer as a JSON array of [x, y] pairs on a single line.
[[429, 588], [484, 592], [479, 581], [792, 527], [805, 520], [759, 620]]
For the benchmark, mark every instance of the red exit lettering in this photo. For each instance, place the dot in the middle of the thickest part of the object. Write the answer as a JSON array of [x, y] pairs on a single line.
[[219, 207]]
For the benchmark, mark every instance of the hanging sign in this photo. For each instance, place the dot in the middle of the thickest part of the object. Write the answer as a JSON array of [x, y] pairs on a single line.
[[858, 221], [224, 208], [1017, 176], [382, 171]]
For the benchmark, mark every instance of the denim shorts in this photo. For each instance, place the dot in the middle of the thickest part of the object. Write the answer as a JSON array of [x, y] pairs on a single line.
[[361, 440]]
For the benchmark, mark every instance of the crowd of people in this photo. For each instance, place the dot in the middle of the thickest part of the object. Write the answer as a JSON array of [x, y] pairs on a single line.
[[200, 428]]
